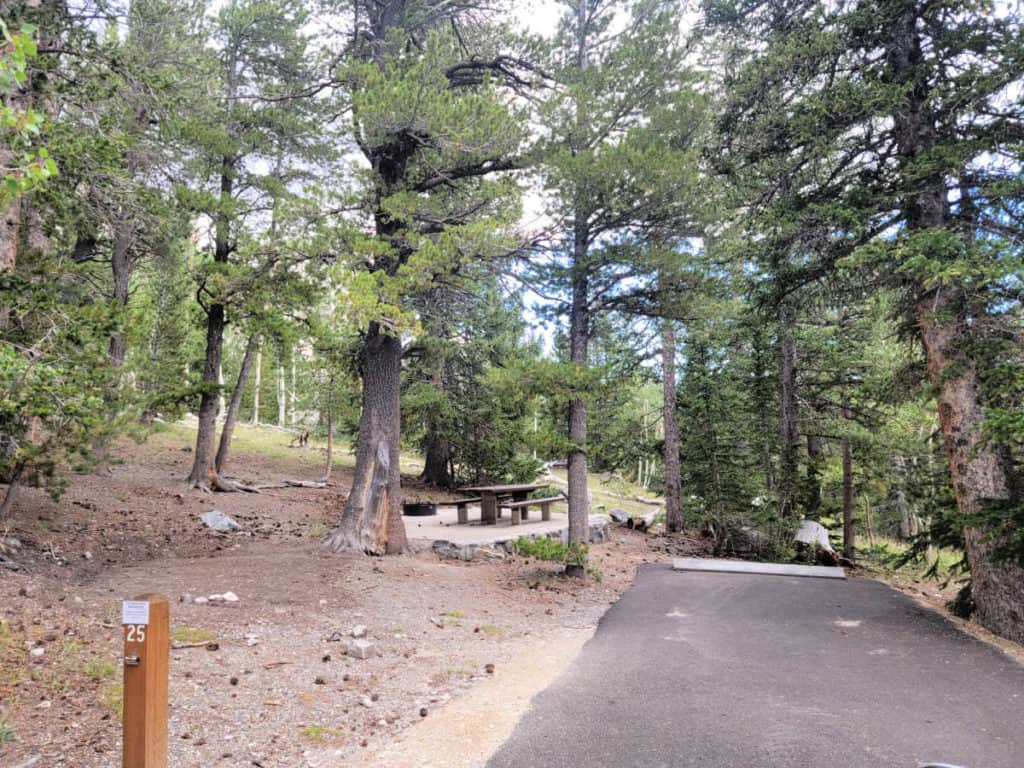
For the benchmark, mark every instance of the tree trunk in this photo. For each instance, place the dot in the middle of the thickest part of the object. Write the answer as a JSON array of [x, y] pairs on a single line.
[[789, 428], [673, 484], [579, 340], [203, 474], [256, 386], [291, 397], [436, 462], [121, 269], [849, 543], [330, 430], [982, 474], [221, 401], [227, 431], [12, 490], [203, 470], [371, 520], [281, 395], [814, 457]]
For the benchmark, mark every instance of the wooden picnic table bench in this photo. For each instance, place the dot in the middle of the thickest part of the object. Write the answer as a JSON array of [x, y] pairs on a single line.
[[523, 507], [492, 495]]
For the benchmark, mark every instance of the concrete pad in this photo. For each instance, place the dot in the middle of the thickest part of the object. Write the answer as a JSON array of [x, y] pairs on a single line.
[[767, 569], [445, 526]]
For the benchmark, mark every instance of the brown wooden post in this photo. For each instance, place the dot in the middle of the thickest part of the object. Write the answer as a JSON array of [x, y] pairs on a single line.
[[146, 656]]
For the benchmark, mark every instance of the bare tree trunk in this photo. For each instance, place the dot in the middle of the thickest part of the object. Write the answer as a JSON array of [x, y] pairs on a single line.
[[12, 490], [814, 458], [281, 396], [849, 542], [982, 472], [203, 470], [291, 396], [579, 340], [673, 483], [256, 386], [330, 430], [221, 401], [228, 430], [203, 473], [371, 520], [789, 429], [436, 463]]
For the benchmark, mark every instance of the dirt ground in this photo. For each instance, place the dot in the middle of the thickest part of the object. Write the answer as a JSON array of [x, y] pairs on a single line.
[[278, 690]]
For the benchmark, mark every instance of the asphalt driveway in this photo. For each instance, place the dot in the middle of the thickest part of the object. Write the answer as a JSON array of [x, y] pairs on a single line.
[[738, 671]]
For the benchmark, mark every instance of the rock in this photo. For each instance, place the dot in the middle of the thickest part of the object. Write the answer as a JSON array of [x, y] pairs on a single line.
[[382, 723], [218, 521], [358, 631], [200, 601], [87, 555], [318, 680], [619, 516], [37, 652], [252, 640], [361, 649], [423, 711], [489, 669], [365, 701], [216, 598], [230, 597]]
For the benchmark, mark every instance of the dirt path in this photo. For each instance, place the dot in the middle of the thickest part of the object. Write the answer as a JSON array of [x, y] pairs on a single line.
[[279, 690]]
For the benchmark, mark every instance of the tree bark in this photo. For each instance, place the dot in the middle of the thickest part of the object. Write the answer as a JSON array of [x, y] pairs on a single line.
[[814, 457], [228, 430], [673, 483], [579, 340], [436, 462], [982, 473], [789, 428], [203, 473], [12, 490], [329, 464], [281, 396], [371, 520], [256, 386], [849, 542]]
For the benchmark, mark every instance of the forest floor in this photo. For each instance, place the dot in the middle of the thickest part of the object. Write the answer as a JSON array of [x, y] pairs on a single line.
[[278, 691]]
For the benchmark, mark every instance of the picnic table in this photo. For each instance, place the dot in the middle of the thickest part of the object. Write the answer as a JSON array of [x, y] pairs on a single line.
[[490, 494]]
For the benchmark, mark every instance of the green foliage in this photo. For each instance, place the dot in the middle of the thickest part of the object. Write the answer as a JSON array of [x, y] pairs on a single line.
[[553, 550], [7, 734]]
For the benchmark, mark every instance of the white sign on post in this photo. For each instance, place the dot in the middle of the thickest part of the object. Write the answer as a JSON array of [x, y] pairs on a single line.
[[135, 612]]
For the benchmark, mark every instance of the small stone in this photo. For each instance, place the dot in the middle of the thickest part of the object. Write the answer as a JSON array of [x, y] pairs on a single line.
[[382, 723], [361, 649], [326, 657], [319, 681], [200, 601], [216, 598], [218, 521], [80, 601], [489, 669], [233, 681], [374, 697], [366, 701], [358, 631], [37, 652], [423, 711], [252, 640], [87, 555], [230, 597], [364, 743]]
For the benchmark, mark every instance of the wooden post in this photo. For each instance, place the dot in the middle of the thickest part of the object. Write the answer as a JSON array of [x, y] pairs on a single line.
[[146, 654]]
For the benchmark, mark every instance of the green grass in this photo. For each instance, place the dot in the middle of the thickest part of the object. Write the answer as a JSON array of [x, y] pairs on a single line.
[[6, 733], [112, 697], [492, 631], [191, 635], [98, 669], [607, 493], [886, 552], [455, 615], [319, 732]]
